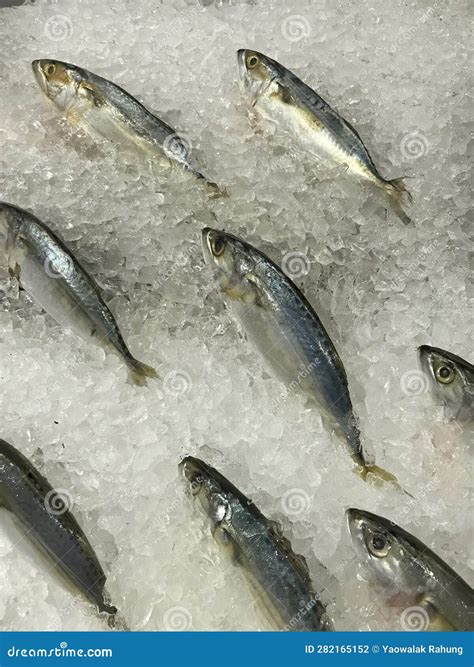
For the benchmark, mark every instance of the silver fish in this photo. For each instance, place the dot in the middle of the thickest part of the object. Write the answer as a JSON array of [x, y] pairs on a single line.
[[283, 326], [49, 523], [51, 274], [278, 95], [279, 578], [411, 573], [452, 379], [105, 110]]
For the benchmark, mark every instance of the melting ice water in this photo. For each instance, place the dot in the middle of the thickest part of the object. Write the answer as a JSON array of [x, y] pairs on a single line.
[[398, 72]]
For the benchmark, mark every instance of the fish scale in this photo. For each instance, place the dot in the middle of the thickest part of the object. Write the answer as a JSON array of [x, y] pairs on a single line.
[[28, 495]]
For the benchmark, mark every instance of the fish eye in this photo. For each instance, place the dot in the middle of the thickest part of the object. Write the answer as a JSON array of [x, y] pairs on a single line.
[[445, 374], [218, 246], [50, 69], [252, 62], [379, 545]]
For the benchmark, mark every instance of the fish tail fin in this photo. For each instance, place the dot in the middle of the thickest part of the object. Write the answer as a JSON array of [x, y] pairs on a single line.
[[139, 372], [380, 476], [107, 608], [116, 622], [398, 194]]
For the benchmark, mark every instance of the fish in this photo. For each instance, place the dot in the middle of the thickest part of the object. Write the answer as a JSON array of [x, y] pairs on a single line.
[[452, 380], [49, 272], [279, 578], [281, 97], [45, 515], [103, 109], [407, 570], [283, 326]]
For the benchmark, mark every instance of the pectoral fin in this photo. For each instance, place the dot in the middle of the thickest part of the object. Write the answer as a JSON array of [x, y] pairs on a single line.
[[91, 93], [224, 540]]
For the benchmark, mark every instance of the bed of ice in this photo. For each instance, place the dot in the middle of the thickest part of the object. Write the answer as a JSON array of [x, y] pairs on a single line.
[[399, 71]]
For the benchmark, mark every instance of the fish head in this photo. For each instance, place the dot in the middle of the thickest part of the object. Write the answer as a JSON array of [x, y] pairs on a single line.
[[256, 73], [208, 486], [57, 80], [451, 377], [383, 548], [234, 263]]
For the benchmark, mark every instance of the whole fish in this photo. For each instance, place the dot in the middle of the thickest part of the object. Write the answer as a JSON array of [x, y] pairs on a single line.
[[105, 110], [285, 329], [411, 573], [279, 96], [50, 524], [279, 578], [452, 379], [51, 274]]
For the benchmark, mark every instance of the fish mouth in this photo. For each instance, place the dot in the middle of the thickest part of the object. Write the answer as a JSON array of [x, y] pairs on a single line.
[[424, 352], [241, 53], [193, 470], [37, 67], [190, 467], [358, 520], [354, 521], [207, 235]]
